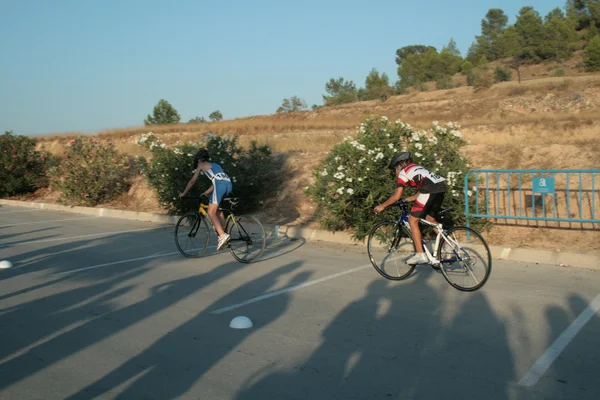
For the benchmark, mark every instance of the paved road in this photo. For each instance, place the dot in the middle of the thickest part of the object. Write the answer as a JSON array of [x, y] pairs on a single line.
[[106, 308]]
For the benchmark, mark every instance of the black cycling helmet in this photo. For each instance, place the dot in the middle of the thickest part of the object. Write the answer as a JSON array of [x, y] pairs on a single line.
[[203, 155], [398, 158]]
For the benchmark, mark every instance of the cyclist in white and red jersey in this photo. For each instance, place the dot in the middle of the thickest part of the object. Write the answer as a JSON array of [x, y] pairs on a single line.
[[428, 200]]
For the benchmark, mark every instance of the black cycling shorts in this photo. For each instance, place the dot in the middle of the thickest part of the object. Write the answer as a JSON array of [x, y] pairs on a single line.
[[427, 204]]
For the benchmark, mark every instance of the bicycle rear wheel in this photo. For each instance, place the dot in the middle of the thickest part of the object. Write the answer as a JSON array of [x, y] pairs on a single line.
[[466, 260], [192, 235], [248, 239], [389, 246]]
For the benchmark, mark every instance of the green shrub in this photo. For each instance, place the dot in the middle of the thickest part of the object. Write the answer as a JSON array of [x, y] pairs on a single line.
[[592, 54], [466, 67], [444, 82], [22, 167], [354, 177], [502, 74], [422, 87], [479, 79], [470, 78], [91, 172], [254, 171]]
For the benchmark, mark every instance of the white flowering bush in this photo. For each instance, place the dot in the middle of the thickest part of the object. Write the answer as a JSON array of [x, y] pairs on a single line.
[[253, 171], [354, 177]]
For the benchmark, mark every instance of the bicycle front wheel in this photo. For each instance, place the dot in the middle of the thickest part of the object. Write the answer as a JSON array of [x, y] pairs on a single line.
[[248, 239], [466, 260], [192, 235], [389, 246]]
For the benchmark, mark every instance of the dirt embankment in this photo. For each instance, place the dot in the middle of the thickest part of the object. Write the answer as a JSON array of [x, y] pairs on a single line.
[[550, 123]]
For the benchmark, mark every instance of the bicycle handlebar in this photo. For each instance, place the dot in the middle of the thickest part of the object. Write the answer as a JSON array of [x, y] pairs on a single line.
[[402, 204]]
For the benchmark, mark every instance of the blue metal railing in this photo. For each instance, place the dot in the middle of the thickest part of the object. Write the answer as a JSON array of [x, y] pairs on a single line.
[[533, 194]]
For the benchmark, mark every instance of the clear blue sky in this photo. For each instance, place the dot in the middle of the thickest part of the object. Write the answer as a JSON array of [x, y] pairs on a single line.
[[88, 65]]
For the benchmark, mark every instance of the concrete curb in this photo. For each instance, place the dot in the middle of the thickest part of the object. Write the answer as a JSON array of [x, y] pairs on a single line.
[[101, 212], [563, 259]]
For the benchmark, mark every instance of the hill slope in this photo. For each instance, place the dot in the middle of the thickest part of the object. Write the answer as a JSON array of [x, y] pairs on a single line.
[[549, 123]]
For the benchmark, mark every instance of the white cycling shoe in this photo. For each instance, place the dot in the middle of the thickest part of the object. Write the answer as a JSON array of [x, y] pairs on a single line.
[[223, 240], [418, 258]]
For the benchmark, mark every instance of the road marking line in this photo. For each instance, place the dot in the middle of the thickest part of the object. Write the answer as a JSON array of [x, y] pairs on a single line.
[[290, 289], [125, 261], [543, 363], [44, 222], [115, 263], [18, 211], [76, 237]]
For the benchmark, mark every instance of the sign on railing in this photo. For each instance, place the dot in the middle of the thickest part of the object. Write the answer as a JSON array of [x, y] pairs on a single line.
[[536, 195]]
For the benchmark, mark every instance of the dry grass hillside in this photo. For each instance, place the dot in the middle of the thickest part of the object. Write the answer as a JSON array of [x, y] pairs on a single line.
[[542, 123]]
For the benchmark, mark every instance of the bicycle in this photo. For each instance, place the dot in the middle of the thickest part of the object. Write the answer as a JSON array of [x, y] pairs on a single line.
[[246, 232], [453, 246]]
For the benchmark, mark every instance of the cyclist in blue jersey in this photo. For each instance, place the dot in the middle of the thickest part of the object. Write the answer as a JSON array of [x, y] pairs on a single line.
[[221, 187]]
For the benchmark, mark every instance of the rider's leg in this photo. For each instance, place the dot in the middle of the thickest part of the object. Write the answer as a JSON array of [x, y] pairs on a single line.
[[415, 231], [216, 219], [433, 221], [432, 207], [420, 257], [213, 207], [418, 211], [221, 215], [221, 190]]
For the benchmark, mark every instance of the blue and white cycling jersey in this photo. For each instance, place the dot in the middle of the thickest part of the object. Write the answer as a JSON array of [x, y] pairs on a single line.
[[221, 182], [216, 173]]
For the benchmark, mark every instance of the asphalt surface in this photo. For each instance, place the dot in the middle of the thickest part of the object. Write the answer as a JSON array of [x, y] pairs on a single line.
[[106, 308]]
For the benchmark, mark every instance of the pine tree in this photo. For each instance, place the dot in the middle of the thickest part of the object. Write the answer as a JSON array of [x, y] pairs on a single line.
[[592, 54], [163, 113]]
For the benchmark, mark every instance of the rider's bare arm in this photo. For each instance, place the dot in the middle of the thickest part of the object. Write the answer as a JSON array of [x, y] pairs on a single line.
[[202, 166], [412, 198], [191, 183], [397, 195], [208, 191]]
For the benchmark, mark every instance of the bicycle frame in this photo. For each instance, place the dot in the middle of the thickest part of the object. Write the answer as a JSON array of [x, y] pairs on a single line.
[[203, 210], [441, 235], [234, 225]]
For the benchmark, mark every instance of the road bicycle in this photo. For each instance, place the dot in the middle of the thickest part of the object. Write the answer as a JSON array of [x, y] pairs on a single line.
[[192, 233], [458, 252]]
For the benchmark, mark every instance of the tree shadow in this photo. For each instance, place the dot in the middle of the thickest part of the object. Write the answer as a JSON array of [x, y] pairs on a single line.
[[42, 317], [28, 289], [89, 312], [169, 367], [280, 247], [573, 373], [12, 235], [76, 254], [400, 340]]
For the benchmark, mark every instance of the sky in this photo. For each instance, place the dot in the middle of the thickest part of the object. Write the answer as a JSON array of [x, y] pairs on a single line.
[[87, 66]]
